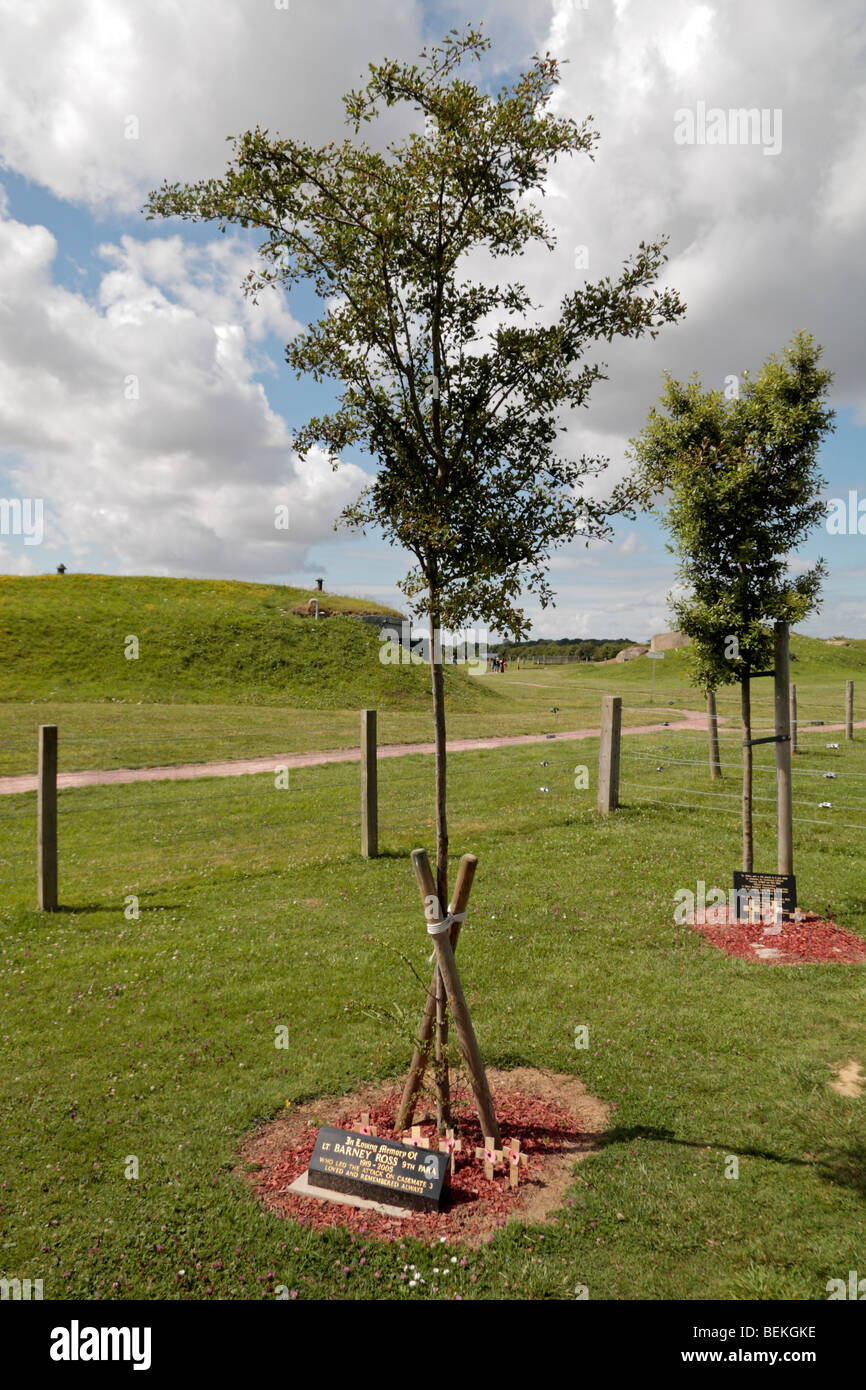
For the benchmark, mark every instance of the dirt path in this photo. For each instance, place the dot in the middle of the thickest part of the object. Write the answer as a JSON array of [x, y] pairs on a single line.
[[694, 722]]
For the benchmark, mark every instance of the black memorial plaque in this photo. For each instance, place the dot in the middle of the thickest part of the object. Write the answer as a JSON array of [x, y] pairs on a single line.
[[762, 887], [382, 1170]]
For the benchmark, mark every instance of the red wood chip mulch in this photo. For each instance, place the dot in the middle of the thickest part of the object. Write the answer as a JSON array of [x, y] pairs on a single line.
[[812, 940], [471, 1202]]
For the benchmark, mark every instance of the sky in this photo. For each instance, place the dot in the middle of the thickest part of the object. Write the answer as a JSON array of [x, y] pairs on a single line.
[[146, 410]]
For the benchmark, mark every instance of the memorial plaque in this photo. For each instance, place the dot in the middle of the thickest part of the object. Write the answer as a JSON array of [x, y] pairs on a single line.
[[381, 1170], [761, 887]]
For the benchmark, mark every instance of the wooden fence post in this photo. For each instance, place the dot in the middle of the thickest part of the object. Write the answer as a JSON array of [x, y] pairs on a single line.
[[46, 814], [608, 754], [784, 806], [713, 726], [849, 711], [794, 747], [369, 786]]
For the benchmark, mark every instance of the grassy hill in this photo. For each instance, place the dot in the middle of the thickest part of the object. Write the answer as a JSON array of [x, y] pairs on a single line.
[[843, 657], [223, 666], [64, 637]]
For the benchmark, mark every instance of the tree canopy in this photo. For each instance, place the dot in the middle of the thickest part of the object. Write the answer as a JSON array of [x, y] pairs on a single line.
[[740, 485], [442, 381]]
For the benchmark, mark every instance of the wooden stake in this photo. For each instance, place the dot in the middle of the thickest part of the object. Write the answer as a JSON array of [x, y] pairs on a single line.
[[746, 710], [433, 913], [713, 730], [46, 850], [793, 720], [415, 1079], [369, 786], [457, 1000], [608, 753], [784, 804], [440, 1036], [366, 1128], [849, 711]]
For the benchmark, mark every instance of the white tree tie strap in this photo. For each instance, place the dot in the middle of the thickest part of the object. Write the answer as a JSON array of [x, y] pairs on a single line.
[[437, 928]]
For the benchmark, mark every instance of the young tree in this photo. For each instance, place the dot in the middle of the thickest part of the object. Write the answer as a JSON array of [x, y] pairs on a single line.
[[443, 381], [743, 490]]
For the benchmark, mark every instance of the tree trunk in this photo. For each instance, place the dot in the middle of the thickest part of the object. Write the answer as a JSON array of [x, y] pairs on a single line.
[[443, 1089], [713, 732], [748, 843]]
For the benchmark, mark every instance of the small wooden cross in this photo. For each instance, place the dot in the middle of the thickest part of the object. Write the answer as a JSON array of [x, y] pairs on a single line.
[[417, 1138], [515, 1158], [365, 1127], [490, 1154], [451, 1146]]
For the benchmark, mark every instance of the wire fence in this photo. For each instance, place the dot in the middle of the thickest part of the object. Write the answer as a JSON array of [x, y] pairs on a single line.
[[173, 823], [847, 814], [237, 815]]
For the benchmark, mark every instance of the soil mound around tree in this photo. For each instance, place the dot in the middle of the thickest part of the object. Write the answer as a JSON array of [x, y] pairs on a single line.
[[811, 941], [552, 1115]]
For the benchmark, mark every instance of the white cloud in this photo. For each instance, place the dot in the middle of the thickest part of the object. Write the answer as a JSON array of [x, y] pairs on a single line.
[[613, 609], [139, 419], [632, 545], [759, 247], [17, 561], [190, 75]]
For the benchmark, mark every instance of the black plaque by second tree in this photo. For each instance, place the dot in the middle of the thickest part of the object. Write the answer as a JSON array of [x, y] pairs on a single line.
[[763, 887]]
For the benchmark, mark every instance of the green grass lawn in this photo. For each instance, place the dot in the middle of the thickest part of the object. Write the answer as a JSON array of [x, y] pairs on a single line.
[[155, 1037]]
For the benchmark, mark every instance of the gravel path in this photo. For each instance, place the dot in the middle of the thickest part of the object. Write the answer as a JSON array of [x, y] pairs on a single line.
[[240, 767]]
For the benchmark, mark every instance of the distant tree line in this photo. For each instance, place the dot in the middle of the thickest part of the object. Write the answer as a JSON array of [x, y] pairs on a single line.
[[584, 649]]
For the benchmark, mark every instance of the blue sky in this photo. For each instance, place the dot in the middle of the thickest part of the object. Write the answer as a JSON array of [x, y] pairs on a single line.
[[182, 475]]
